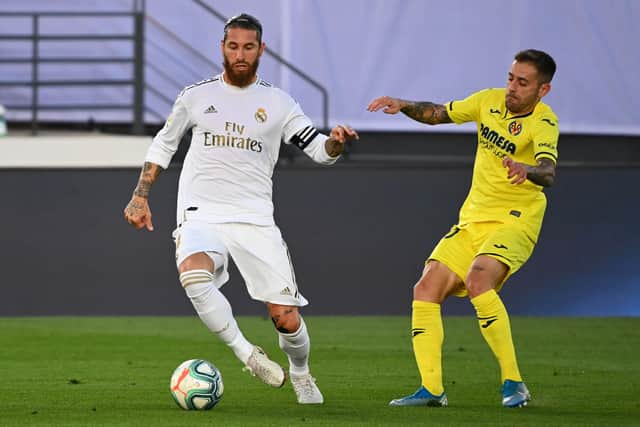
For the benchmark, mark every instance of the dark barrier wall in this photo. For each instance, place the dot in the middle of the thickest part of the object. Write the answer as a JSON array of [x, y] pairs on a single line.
[[358, 237]]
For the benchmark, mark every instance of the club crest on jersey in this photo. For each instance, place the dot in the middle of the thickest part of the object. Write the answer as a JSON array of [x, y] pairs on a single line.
[[261, 115], [515, 127]]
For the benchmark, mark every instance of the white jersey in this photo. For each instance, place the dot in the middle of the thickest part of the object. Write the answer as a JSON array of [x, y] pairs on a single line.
[[226, 175]]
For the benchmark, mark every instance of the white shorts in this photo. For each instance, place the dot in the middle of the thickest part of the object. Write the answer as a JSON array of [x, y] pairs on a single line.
[[259, 252]]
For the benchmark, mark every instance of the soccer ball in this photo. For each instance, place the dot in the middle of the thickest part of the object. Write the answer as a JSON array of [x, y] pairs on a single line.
[[196, 384]]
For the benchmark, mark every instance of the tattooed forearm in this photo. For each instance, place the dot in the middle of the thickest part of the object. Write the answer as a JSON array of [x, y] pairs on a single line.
[[544, 174], [333, 147], [426, 112], [136, 207], [148, 176]]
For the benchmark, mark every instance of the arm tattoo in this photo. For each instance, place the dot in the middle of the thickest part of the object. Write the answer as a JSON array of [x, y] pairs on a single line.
[[136, 207], [426, 112], [333, 147], [148, 176], [544, 174]]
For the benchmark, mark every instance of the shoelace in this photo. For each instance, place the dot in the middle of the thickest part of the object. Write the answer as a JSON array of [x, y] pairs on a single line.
[[264, 372], [306, 385]]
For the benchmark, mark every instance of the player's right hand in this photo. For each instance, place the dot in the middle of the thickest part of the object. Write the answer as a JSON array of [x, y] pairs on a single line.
[[516, 171], [138, 213], [390, 105]]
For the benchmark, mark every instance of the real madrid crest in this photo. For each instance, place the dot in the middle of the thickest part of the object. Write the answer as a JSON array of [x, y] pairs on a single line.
[[515, 127], [260, 115]]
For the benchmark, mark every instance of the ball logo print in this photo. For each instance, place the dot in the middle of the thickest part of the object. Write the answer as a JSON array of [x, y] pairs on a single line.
[[196, 384]]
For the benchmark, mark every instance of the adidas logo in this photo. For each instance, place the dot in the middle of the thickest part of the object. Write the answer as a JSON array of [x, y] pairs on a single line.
[[286, 291], [211, 109]]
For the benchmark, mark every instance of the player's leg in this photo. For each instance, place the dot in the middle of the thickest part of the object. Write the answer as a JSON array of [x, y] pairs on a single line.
[[435, 284], [486, 275], [202, 264], [493, 319], [263, 260], [213, 308], [441, 277], [292, 336], [294, 340]]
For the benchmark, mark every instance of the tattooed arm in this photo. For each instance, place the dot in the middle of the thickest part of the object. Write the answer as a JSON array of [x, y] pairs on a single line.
[[137, 211], [424, 112], [543, 173]]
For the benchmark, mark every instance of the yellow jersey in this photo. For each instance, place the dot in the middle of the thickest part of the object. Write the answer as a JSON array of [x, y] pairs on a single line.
[[525, 138]]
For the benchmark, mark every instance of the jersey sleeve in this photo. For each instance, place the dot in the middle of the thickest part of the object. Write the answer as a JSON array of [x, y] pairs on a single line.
[[298, 130], [468, 109], [166, 141], [545, 138], [295, 122]]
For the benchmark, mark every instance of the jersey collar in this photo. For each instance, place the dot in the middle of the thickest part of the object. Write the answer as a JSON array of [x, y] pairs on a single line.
[[233, 88], [521, 116]]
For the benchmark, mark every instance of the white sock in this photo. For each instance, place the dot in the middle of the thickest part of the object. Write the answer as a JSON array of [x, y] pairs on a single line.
[[215, 311], [296, 345]]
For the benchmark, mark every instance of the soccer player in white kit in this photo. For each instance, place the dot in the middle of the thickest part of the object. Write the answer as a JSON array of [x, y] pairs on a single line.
[[225, 203]]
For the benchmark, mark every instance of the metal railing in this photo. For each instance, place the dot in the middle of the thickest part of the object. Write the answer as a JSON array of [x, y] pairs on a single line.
[[36, 36], [137, 79], [176, 60]]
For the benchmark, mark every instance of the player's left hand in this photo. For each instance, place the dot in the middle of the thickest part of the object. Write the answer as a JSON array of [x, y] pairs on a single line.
[[343, 133], [516, 172]]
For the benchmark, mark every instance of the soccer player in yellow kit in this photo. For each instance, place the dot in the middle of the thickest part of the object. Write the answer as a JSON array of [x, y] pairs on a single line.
[[499, 221]]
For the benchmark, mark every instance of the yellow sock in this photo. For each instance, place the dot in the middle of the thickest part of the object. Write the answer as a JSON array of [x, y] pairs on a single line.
[[496, 330], [428, 334]]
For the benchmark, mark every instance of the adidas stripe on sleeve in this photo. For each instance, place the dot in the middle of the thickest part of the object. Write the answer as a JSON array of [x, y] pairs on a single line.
[[304, 136], [311, 141]]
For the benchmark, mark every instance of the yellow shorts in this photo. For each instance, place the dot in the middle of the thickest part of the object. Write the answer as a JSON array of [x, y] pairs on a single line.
[[508, 243]]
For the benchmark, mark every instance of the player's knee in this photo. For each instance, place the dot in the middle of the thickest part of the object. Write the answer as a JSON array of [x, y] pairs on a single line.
[[285, 318], [478, 282], [474, 288], [197, 261], [485, 274], [435, 284]]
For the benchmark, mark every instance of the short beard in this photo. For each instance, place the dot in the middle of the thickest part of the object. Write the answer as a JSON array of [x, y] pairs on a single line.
[[513, 108], [242, 79]]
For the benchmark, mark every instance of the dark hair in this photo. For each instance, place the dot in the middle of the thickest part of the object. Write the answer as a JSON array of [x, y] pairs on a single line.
[[246, 21], [543, 62]]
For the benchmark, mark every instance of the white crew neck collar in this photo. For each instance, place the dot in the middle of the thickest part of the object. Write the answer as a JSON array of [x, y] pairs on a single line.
[[233, 88]]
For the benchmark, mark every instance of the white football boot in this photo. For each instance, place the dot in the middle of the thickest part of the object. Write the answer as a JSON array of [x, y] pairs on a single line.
[[259, 365], [306, 389]]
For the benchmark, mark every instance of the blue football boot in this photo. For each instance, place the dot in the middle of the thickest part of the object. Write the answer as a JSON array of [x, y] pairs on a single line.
[[422, 397], [515, 394]]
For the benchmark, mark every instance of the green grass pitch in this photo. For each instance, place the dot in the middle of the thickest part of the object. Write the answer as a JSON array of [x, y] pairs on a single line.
[[89, 371]]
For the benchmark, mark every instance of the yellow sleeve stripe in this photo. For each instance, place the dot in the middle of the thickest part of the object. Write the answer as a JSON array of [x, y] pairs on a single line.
[[547, 154]]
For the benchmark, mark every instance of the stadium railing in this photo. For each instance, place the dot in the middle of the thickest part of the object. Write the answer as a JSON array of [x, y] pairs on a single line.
[[36, 36], [137, 104]]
